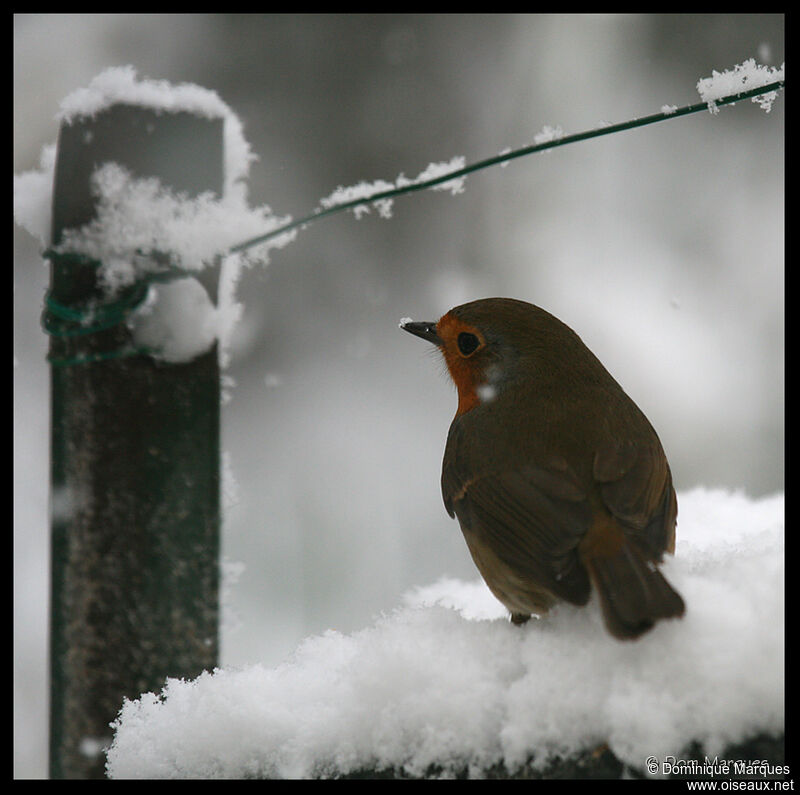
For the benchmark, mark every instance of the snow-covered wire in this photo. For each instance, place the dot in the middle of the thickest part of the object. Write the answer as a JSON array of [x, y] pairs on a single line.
[[668, 112]]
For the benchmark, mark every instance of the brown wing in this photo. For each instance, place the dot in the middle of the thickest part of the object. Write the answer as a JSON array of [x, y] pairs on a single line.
[[532, 520], [636, 487]]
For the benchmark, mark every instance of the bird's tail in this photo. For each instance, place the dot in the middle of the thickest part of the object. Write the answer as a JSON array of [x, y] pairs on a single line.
[[633, 593]]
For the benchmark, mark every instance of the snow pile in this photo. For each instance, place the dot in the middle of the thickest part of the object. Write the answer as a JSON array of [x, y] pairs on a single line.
[[138, 221], [119, 84], [136, 218], [447, 680], [33, 190], [742, 77], [139, 218]]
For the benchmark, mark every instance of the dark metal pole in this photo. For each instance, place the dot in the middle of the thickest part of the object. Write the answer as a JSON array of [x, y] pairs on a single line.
[[134, 464]]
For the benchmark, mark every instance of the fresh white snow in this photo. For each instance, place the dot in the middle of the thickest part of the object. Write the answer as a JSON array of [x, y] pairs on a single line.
[[139, 217], [447, 680], [742, 77]]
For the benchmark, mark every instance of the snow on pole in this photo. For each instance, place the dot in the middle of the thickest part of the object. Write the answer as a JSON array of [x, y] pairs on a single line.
[[134, 443]]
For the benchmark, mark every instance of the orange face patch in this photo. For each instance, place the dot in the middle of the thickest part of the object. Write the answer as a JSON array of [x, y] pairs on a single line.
[[460, 345]]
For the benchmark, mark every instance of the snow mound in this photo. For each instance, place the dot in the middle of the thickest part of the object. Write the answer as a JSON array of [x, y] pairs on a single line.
[[446, 680]]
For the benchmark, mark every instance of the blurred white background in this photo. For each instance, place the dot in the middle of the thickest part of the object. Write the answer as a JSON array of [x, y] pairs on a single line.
[[662, 247]]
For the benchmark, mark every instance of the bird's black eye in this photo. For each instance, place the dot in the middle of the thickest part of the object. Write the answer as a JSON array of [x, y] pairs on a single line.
[[467, 343]]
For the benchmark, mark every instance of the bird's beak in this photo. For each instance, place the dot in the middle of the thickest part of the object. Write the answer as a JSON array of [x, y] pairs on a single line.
[[424, 329]]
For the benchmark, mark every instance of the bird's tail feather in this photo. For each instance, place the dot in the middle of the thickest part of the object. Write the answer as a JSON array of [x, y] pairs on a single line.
[[633, 593]]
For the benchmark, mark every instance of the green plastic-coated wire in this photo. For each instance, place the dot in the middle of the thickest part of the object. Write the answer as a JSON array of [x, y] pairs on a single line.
[[79, 320], [60, 320], [63, 321], [506, 157]]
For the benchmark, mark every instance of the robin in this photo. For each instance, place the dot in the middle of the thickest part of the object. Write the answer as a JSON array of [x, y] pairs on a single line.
[[558, 480]]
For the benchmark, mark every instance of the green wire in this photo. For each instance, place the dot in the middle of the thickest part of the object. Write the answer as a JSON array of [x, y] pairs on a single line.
[[60, 320], [64, 321], [67, 322], [504, 158]]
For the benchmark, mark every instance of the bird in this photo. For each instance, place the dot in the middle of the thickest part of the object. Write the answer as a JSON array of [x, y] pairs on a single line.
[[558, 480]]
